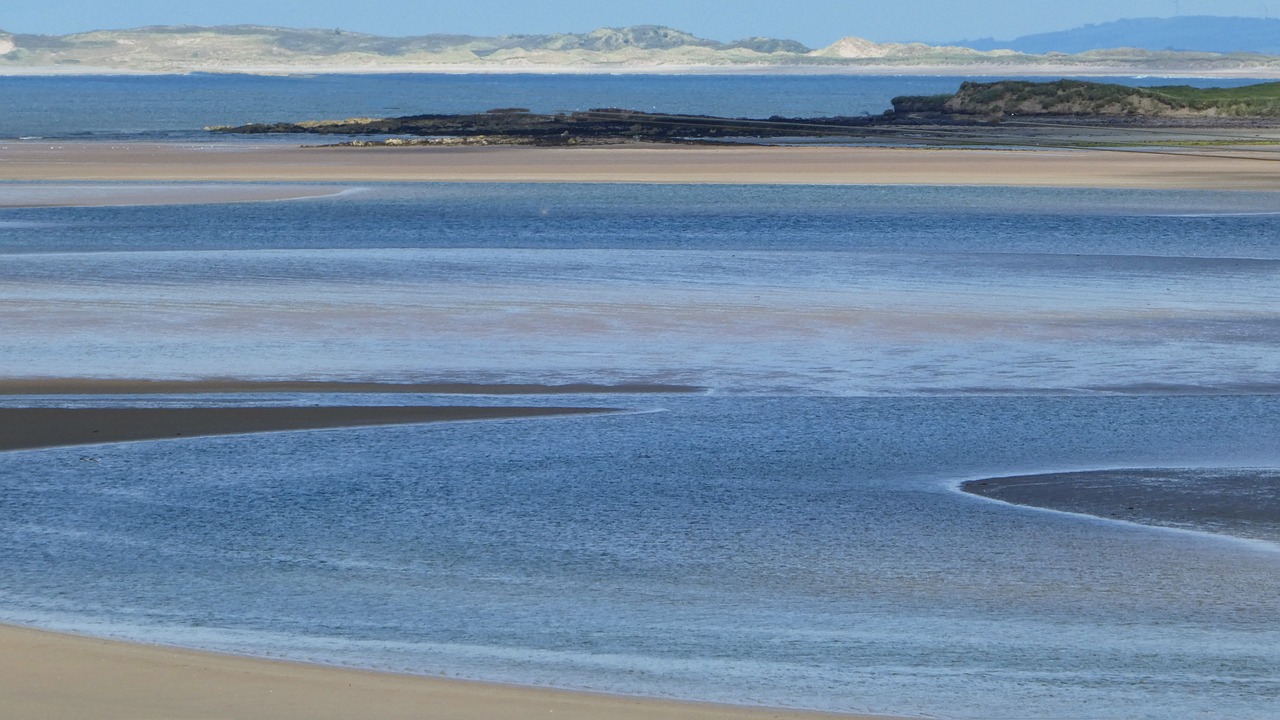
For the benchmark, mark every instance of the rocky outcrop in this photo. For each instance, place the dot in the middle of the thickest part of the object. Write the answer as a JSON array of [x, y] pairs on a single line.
[[932, 120], [591, 126]]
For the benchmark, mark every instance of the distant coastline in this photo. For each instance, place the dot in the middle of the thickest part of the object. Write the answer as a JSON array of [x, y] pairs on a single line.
[[638, 49], [958, 71]]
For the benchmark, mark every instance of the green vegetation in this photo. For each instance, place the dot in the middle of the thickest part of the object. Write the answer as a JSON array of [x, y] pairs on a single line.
[[1251, 100], [1163, 143], [1080, 98]]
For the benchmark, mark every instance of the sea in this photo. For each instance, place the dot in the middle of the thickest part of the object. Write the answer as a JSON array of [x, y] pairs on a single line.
[[790, 534]]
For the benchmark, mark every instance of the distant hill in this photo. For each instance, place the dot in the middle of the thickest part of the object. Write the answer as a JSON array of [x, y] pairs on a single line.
[[1191, 33], [185, 48], [641, 48]]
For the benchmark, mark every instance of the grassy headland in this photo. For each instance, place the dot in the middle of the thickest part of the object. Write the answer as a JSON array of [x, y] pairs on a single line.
[[1077, 98]]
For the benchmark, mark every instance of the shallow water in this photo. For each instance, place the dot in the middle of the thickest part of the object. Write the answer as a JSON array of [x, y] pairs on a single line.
[[833, 290], [800, 551], [791, 536]]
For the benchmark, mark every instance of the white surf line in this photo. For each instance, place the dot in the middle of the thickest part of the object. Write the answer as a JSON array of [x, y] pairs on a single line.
[[56, 195]]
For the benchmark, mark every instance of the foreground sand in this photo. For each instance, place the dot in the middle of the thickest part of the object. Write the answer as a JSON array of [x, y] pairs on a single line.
[[1219, 169], [49, 675]]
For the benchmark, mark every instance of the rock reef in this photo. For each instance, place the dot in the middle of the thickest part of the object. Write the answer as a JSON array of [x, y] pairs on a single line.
[[977, 114], [516, 126]]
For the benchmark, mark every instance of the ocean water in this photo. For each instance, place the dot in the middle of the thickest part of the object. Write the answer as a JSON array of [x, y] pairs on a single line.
[[177, 107], [792, 535]]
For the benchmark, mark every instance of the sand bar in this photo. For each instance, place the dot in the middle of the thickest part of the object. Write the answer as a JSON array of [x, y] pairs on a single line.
[[1236, 169], [123, 386], [45, 427], [1240, 502], [49, 675]]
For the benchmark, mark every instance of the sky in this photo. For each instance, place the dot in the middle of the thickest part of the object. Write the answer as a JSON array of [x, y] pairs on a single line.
[[813, 22]]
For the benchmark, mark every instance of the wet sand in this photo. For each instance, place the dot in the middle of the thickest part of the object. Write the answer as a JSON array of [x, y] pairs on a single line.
[[49, 675], [87, 162], [114, 386], [22, 428], [1232, 501], [32, 427]]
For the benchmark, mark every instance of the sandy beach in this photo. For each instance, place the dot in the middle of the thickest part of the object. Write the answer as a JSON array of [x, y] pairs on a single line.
[[1219, 168], [49, 675]]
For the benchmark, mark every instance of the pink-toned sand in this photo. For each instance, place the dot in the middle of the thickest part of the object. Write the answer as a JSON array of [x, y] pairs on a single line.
[[71, 162]]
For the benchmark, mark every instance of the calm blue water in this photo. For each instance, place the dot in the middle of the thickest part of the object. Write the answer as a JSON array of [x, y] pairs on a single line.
[[791, 536], [786, 550], [177, 107], [829, 290]]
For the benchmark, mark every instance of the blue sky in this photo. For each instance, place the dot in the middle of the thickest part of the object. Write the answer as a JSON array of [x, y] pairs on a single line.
[[815, 22]]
